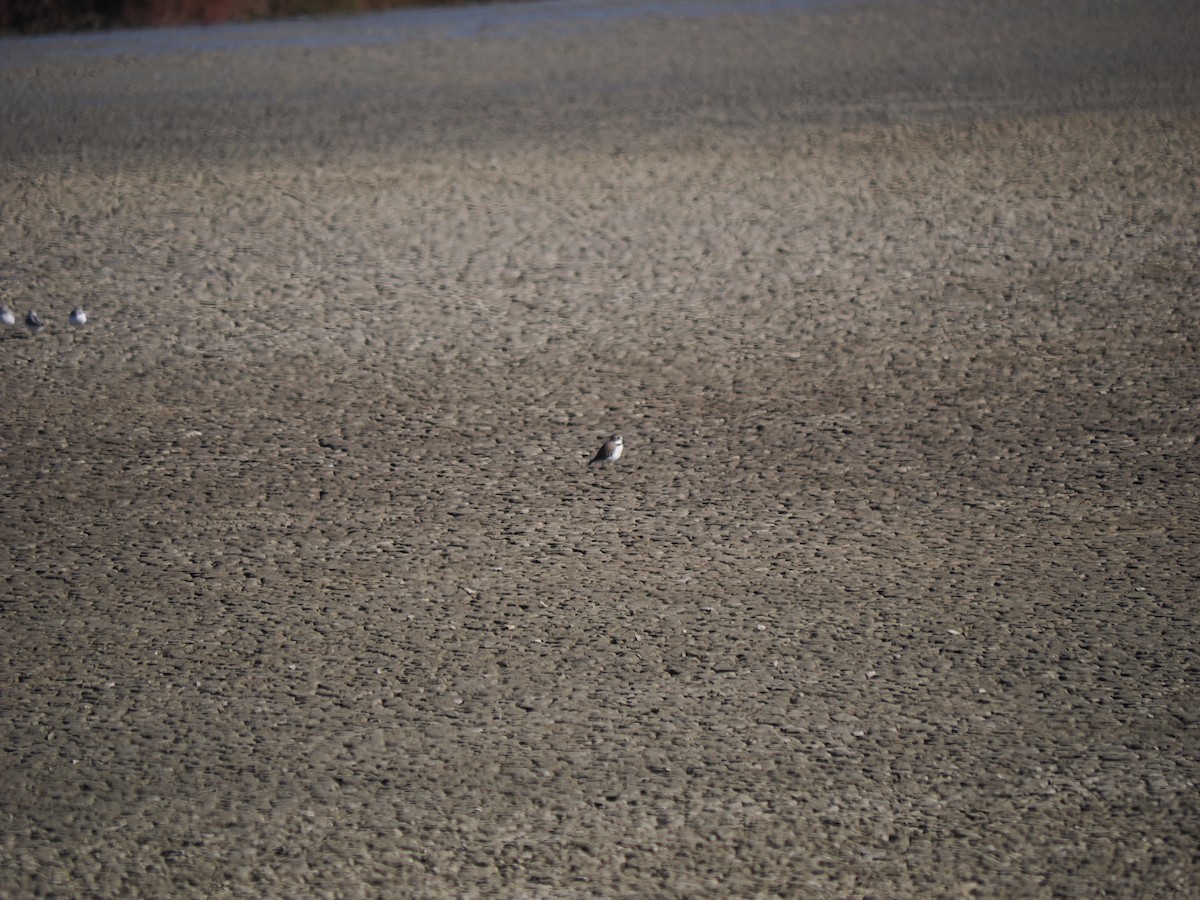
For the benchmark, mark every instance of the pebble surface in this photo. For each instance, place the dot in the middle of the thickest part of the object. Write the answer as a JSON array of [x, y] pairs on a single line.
[[307, 589]]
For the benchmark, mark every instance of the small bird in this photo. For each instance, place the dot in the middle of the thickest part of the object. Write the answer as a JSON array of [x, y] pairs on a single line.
[[78, 316], [6, 316], [610, 452], [33, 321]]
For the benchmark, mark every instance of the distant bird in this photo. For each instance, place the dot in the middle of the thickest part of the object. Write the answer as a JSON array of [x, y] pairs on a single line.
[[78, 316], [6, 316], [610, 452], [34, 322]]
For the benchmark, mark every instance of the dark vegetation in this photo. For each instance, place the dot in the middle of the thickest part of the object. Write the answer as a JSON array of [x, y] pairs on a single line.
[[40, 16]]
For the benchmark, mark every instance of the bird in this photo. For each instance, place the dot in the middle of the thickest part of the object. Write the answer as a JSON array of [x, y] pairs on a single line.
[[33, 321], [610, 452], [78, 316], [6, 316]]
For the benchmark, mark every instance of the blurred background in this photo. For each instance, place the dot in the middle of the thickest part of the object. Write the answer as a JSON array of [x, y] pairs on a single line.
[[41, 16]]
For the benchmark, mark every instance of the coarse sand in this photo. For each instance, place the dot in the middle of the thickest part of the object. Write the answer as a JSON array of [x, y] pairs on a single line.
[[308, 590]]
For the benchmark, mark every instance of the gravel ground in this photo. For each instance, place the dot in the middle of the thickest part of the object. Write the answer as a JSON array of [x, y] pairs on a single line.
[[307, 589]]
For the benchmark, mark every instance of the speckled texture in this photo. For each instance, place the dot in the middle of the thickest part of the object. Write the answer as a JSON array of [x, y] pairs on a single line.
[[307, 589]]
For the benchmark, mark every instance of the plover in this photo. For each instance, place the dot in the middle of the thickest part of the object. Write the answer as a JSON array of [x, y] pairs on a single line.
[[78, 316], [33, 321], [6, 316], [610, 452]]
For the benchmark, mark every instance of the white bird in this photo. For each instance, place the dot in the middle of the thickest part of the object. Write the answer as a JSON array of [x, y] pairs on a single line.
[[6, 316], [78, 316], [34, 322], [610, 452]]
